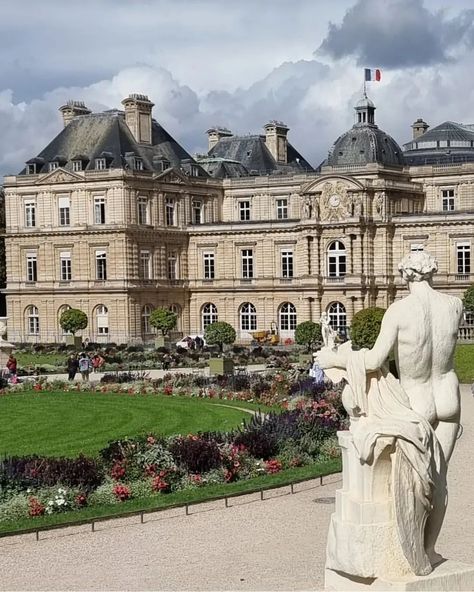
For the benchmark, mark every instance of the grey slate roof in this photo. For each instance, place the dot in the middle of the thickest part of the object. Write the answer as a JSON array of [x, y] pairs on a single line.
[[365, 143], [106, 135], [446, 143], [254, 157]]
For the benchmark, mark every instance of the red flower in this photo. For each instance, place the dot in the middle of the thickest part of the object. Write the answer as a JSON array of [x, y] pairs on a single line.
[[121, 492], [273, 466], [168, 389], [150, 470], [117, 471], [81, 499], [35, 507], [159, 484], [196, 479], [37, 387], [151, 440]]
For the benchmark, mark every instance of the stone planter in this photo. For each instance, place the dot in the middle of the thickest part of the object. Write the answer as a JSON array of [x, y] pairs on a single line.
[[74, 340], [220, 366], [162, 341]]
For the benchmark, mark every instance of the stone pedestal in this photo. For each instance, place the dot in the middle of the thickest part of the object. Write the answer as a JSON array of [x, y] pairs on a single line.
[[447, 575]]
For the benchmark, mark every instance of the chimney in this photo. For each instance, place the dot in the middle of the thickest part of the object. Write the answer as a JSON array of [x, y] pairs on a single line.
[[275, 139], [419, 128], [72, 109], [215, 134], [138, 117]]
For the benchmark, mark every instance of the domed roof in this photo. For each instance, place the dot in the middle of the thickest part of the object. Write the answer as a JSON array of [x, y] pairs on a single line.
[[365, 143]]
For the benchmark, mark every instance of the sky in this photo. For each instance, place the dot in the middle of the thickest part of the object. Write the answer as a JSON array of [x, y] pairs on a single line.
[[237, 64]]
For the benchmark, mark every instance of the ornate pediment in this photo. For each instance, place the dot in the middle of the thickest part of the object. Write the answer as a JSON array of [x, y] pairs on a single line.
[[335, 203], [173, 176], [59, 176]]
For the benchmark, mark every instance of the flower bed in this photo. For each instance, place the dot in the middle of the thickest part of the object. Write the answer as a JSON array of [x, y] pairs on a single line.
[[152, 465]]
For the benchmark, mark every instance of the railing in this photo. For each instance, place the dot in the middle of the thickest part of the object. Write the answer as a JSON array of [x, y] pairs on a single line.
[[466, 333]]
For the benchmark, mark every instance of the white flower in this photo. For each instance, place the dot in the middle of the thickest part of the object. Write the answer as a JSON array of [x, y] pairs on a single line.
[[50, 503]]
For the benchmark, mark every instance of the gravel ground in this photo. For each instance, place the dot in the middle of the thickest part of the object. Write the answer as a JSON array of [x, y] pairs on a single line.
[[277, 544]]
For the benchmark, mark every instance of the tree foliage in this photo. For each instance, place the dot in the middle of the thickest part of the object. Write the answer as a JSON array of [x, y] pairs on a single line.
[[365, 327], [73, 320], [219, 333], [468, 299], [308, 333], [163, 319]]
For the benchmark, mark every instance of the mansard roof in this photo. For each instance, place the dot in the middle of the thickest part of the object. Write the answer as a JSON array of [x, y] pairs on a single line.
[[443, 144], [106, 135], [255, 157]]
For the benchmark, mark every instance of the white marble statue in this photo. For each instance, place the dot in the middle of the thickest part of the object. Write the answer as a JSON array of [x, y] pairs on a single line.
[[402, 434], [328, 334]]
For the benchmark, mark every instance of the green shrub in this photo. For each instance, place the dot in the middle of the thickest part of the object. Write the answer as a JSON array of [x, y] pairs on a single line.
[[308, 334], [14, 508], [73, 320], [163, 319], [468, 299], [365, 327], [219, 333]]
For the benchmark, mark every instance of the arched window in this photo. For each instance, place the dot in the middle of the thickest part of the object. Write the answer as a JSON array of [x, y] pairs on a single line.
[[176, 308], [146, 312], [248, 317], [336, 259], [337, 317], [60, 312], [287, 317], [32, 320], [102, 320], [208, 314]]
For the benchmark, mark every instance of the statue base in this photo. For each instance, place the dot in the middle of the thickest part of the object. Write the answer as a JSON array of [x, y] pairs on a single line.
[[447, 575]]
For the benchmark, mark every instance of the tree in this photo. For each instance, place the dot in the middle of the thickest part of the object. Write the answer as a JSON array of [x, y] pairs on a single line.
[[218, 334], [73, 320], [308, 334], [468, 299], [163, 319], [365, 327]]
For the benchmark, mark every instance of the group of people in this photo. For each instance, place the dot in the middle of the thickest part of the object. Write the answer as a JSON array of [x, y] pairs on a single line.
[[83, 363]]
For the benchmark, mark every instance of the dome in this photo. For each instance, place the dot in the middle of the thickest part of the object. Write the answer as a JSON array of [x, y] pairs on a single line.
[[365, 143]]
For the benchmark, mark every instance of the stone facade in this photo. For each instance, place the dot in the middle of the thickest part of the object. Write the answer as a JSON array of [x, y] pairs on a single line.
[[254, 251]]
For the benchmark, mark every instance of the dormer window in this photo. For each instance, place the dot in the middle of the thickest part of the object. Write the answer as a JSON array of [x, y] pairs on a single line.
[[77, 165], [53, 165], [194, 171], [138, 164], [100, 164], [31, 169]]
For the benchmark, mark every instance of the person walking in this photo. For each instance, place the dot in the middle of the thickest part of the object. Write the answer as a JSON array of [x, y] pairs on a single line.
[[72, 366], [85, 366]]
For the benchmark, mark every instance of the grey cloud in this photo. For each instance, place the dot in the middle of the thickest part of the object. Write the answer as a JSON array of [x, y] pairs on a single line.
[[396, 34]]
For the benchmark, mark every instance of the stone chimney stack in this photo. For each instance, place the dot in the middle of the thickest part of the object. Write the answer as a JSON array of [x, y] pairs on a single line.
[[214, 134], [138, 117], [72, 109], [419, 128], [275, 139]]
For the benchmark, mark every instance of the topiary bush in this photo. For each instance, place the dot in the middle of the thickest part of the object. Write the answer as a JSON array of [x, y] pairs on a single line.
[[219, 333], [308, 334], [365, 327], [73, 320]]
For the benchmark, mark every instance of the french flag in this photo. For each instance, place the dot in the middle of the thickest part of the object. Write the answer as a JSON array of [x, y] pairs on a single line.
[[371, 75]]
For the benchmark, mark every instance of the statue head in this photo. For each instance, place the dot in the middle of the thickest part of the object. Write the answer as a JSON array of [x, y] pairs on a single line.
[[418, 266]]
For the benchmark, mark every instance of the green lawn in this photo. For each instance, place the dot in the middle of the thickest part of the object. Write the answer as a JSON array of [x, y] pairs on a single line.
[[464, 363], [57, 423], [39, 359]]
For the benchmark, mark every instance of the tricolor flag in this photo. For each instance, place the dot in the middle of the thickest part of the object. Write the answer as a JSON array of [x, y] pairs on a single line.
[[371, 75]]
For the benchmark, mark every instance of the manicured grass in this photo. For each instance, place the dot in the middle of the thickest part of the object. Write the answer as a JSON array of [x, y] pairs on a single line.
[[464, 363], [66, 424], [27, 359], [162, 501]]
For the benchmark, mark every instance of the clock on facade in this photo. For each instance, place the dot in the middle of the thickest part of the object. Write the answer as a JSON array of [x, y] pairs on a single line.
[[334, 200]]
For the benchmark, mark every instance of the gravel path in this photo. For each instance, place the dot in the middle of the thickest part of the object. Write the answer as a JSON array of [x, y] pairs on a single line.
[[277, 544]]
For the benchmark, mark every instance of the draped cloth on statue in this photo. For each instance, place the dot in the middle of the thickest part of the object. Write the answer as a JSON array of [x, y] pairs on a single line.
[[384, 410]]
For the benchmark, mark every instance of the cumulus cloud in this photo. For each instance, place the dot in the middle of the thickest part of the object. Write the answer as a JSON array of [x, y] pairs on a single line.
[[397, 33]]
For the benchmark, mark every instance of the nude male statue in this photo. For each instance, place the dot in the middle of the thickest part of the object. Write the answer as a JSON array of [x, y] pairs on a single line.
[[421, 330]]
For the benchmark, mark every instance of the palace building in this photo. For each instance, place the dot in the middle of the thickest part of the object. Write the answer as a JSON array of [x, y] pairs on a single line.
[[114, 217]]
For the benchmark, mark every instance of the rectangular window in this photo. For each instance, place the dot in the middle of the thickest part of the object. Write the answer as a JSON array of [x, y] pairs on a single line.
[[447, 198], [53, 166], [65, 266], [101, 265], [30, 214], [282, 209], [100, 164], [416, 247], [172, 266], [99, 210], [31, 169], [138, 164], [142, 205], [31, 267], [145, 265], [287, 264], [64, 211], [463, 252], [209, 266], [244, 210], [77, 165], [197, 211], [247, 263], [169, 212]]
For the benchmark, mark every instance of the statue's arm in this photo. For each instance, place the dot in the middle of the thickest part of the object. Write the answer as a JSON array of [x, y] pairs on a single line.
[[375, 357]]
